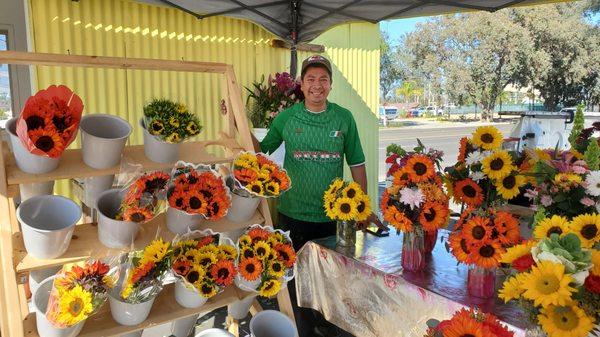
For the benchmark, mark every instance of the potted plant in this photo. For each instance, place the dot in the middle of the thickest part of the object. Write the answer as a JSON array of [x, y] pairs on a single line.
[[166, 124]]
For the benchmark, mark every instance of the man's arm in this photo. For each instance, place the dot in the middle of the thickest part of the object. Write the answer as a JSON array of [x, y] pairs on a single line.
[[359, 174]]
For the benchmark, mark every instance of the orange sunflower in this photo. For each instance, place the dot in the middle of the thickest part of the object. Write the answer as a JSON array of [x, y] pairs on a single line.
[[401, 177], [137, 214], [196, 202], [476, 230], [469, 192], [182, 267], [459, 247], [223, 272], [433, 215], [419, 168], [508, 228], [141, 271], [486, 255], [47, 140], [462, 326], [37, 118], [258, 234], [217, 208], [251, 268], [155, 181], [281, 178], [462, 152], [286, 253], [245, 175], [178, 200], [397, 219]]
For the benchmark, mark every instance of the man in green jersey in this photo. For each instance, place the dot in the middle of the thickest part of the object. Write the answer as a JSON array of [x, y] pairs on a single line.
[[318, 135]]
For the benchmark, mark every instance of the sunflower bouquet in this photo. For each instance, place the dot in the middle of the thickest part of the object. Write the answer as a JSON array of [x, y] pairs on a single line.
[[204, 262], [78, 292], [557, 283], [49, 121], [259, 176], [169, 121], [197, 189], [266, 260], [468, 322], [144, 197], [346, 201], [144, 272], [485, 175]]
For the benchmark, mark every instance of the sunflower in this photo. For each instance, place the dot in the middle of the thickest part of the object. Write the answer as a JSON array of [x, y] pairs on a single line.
[[351, 191], [209, 248], [497, 165], [419, 168], [207, 290], [345, 209], [48, 141], [75, 305], [192, 255], [459, 247], [269, 288], [468, 191], [511, 289], [227, 252], [182, 267], [286, 253], [275, 238], [462, 150], [247, 252], [178, 200], [272, 188], [261, 249], [463, 326], [486, 255], [487, 138], [245, 175], [181, 108], [223, 272], [569, 178], [173, 138], [548, 284], [245, 240], [363, 207], [137, 214], [397, 219], [156, 127], [565, 321], [433, 215], [554, 225], [250, 269], [196, 202], [476, 230], [192, 128], [595, 262], [195, 274], [206, 259], [37, 118], [333, 188], [508, 187], [401, 178], [281, 178], [256, 187], [259, 234], [276, 269], [587, 228], [156, 250], [515, 252], [507, 227]]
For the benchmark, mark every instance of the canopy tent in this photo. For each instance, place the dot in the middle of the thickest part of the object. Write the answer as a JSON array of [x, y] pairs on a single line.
[[303, 20]]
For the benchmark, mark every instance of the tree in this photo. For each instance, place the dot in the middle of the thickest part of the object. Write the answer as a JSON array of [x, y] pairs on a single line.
[[390, 73], [409, 91]]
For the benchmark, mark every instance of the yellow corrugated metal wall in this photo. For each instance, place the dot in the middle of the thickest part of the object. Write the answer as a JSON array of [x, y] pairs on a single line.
[[131, 29]]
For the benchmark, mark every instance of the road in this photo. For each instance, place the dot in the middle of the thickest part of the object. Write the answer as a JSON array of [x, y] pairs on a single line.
[[438, 137]]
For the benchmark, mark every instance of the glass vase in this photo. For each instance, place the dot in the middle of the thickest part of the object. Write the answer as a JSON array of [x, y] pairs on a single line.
[[430, 240], [481, 282], [345, 234], [413, 250]]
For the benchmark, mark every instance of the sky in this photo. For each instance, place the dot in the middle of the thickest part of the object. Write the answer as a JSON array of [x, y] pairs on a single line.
[[397, 28], [3, 67]]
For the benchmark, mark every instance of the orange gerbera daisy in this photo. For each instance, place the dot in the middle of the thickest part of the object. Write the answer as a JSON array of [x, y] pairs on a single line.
[[223, 272], [486, 255], [469, 192], [178, 200], [286, 253], [47, 140], [433, 215], [137, 214], [251, 268], [182, 267], [397, 219], [258, 234], [507, 227], [463, 326], [459, 247], [419, 168], [196, 202], [476, 230], [245, 175]]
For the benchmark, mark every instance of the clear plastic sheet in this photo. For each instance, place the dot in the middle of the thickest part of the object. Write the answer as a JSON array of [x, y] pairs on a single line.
[[365, 292]]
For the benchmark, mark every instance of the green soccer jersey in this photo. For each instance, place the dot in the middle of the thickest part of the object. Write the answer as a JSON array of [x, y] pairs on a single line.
[[315, 146]]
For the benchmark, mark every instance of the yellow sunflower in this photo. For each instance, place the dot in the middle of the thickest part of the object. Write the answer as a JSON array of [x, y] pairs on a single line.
[[206, 259], [554, 225], [508, 187], [587, 228], [345, 209], [570, 178], [269, 288], [595, 262], [174, 122], [275, 238], [565, 321], [272, 187], [517, 251], [352, 191], [363, 207], [192, 255], [227, 252], [276, 269], [196, 274], [156, 250], [512, 288], [487, 138], [210, 248], [261, 249], [497, 165], [207, 290], [547, 284], [173, 138], [335, 186], [256, 187], [245, 240], [75, 305]]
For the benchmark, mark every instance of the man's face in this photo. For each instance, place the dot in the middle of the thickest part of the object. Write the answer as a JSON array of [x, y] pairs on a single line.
[[316, 85]]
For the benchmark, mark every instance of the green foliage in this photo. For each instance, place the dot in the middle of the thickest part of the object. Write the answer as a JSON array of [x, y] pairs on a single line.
[[3, 114], [578, 123], [390, 70], [170, 121], [592, 155], [568, 250], [394, 148]]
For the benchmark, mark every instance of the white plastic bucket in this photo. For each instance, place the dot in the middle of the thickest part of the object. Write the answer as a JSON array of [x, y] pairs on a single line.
[[126, 313], [239, 309], [246, 285], [157, 150], [103, 138], [47, 223], [188, 298], [94, 186], [31, 190], [40, 304], [271, 323], [242, 208], [36, 277], [114, 233], [26, 161], [183, 326], [214, 333], [179, 221]]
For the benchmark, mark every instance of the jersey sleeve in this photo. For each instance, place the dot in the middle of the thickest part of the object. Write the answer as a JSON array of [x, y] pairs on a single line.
[[274, 136], [352, 147]]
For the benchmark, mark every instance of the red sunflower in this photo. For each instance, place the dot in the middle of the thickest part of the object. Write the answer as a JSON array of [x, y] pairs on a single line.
[[137, 214], [286, 254], [48, 141], [196, 202], [433, 215], [223, 272], [469, 192], [178, 200], [182, 267], [245, 176]]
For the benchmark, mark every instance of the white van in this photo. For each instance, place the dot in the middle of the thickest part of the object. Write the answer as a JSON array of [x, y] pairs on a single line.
[[390, 112]]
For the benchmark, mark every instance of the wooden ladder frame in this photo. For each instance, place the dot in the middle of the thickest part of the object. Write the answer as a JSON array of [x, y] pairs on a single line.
[[15, 319]]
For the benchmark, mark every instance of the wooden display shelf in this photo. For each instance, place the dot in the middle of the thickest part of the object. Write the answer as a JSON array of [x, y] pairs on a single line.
[[164, 309], [72, 166], [85, 243]]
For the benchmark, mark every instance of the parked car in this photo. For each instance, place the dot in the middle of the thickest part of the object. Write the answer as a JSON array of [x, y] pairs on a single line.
[[390, 112], [432, 110]]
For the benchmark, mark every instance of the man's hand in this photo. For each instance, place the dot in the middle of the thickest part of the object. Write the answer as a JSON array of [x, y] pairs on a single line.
[[362, 225]]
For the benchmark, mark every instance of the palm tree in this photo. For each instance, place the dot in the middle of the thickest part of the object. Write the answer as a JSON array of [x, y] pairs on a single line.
[[409, 90]]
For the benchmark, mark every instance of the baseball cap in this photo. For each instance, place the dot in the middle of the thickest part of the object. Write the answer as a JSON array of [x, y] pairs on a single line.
[[316, 60]]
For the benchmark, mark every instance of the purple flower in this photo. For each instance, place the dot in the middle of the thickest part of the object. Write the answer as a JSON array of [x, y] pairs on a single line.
[[588, 202], [546, 200]]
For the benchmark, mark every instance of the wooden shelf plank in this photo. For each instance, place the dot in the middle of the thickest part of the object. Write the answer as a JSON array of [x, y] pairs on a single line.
[[72, 166], [85, 243], [164, 309]]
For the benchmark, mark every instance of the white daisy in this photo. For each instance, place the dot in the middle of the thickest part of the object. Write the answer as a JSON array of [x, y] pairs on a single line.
[[477, 175], [593, 183], [413, 198], [474, 158]]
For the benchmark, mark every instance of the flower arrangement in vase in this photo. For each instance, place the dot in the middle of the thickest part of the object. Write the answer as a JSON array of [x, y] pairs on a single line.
[[267, 100], [468, 322], [171, 122]]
